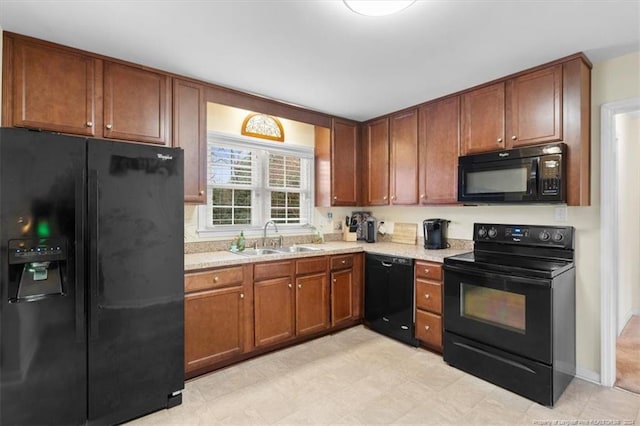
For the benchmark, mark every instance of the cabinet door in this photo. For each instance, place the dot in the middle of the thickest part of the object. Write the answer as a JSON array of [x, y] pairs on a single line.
[[136, 104], [534, 107], [377, 163], [483, 119], [189, 133], [344, 163], [341, 296], [403, 143], [53, 89], [439, 133], [214, 329], [273, 311], [312, 303]]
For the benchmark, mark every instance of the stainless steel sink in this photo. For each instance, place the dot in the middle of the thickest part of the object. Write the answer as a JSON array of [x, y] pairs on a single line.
[[298, 249], [258, 252]]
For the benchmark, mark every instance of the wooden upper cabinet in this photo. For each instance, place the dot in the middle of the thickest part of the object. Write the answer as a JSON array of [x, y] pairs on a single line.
[[376, 146], [439, 135], [136, 104], [189, 133], [483, 119], [50, 88], [524, 110], [534, 107], [403, 170], [344, 163]]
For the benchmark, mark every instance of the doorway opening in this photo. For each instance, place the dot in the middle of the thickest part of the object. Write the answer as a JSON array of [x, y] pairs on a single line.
[[619, 295]]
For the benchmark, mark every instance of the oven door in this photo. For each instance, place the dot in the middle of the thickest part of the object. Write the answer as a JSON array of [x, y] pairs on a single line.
[[507, 312], [507, 181]]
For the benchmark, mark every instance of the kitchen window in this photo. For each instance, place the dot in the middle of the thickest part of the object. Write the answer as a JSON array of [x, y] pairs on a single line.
[[251, 181]]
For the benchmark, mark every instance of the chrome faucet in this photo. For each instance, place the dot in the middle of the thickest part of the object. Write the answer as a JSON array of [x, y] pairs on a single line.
[[264, 233]]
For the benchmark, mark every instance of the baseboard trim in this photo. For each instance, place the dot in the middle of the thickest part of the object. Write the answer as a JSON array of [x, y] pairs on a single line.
[[588, 375], [627, 318]]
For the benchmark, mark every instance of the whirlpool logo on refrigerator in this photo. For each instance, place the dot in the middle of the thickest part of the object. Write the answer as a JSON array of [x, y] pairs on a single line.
[[162, 164]]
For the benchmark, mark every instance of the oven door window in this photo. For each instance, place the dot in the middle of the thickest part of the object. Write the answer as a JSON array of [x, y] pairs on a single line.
[[505, 311], [495, 307]]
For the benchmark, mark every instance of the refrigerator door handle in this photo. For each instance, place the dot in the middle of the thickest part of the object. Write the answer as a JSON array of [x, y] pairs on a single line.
[[94, 276], [81, 333]]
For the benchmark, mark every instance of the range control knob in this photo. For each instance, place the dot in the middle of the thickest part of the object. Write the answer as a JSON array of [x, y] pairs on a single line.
[[544, 236], [493, 232], [482, 232], [557, 237]]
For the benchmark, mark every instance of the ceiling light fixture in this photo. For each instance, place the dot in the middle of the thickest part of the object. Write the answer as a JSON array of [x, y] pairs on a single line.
[[377, 7]]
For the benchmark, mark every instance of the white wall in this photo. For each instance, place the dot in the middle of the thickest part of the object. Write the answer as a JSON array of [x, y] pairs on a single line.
[[628, 140]]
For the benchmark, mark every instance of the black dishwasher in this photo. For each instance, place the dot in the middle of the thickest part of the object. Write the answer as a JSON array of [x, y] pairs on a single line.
[[389, 296]]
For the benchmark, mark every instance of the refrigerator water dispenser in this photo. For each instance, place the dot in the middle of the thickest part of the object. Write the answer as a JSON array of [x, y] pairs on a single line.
[[34, 268]]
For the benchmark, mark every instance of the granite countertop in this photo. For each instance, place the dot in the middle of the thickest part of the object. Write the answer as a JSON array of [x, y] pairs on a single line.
[[197, 261]]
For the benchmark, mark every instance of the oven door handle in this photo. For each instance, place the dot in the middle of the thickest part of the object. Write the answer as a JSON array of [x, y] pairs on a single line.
[[542, 282]]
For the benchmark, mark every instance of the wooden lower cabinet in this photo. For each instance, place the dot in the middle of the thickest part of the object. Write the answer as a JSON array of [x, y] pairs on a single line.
[[428, 288], [341, 296], [346, 288], [217, 316], [312, 303], [235, 312], [214, 330], [274, 311]]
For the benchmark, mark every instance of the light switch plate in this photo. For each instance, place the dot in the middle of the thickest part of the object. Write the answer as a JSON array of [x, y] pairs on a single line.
[[560, 214]]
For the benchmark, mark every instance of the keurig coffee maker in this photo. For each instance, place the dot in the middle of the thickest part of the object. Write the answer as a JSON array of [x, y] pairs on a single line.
[[435, 233]]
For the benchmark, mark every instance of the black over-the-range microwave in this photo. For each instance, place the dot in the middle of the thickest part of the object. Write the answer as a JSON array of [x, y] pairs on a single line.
[[533, 174]]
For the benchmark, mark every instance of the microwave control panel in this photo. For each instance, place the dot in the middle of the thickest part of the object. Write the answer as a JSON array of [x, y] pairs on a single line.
[[550, 174]]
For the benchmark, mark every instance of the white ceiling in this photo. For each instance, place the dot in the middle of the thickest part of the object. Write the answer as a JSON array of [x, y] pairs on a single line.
[[320, 55]]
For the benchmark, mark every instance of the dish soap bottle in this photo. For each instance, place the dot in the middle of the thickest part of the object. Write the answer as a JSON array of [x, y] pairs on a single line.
[[241, 241]]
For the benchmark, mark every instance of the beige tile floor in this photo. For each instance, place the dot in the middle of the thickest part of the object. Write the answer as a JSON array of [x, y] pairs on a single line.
[[360, 377]]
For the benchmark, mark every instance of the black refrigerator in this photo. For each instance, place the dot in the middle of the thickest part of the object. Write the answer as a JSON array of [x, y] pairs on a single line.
[[92, 279]]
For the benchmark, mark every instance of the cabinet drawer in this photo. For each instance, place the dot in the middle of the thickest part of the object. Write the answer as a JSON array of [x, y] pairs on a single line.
[[265, 271], [429, 296], [311, 265], [429, 270], [341, 262], [222, 277], [429, 328]]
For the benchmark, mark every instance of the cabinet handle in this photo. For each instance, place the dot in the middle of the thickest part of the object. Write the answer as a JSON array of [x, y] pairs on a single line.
[[422, 196], [514, 137], [241, 295], [499, 140], [426, 271], [344, 262], [215, 279], [201, 193], [427, 296], [108, 126], [89, 123], [426, 327], [334, 280], [335, 198], [290, 286], [384, 198], [299, 285]]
